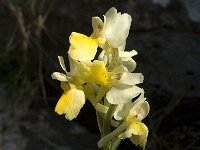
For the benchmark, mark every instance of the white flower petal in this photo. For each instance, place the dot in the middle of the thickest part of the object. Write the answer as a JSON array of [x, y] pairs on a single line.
[[129, 63], [59, 76], [122, 110], [122, 47], [141, 98], [62, 63], [112, 12], [127, 54], [131, 78], [120, 69], [140, 110], [116, 27], [97, 24], [120, 94]]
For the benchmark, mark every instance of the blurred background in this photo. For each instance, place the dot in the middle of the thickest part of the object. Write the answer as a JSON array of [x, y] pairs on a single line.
[[166, 34]]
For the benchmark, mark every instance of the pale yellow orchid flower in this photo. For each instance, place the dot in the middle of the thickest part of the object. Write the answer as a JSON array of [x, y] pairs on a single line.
[[119, 84], [73, 97], [132, 127], [75, 93], [136, 130]]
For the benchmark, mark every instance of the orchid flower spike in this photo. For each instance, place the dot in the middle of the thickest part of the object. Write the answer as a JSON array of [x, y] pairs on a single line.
[[109, 82]]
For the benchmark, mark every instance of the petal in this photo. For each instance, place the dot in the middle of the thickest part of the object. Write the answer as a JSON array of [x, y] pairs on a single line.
[[137, 128], [127, 54], [115, 31], [83, 48], [116, 75], [120, 69], [122, 110], [140, 140], [137, 133], [97, 24], [129, 63], [62, 63], [93, 72], [73, 67], [70, 103], [121, 94], [140, 98], [59, 76], [131, 78], [112, 12], [140, 110], [122, 46]]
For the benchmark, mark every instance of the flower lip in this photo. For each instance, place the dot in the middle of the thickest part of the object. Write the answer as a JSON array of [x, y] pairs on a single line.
[[83, 48]]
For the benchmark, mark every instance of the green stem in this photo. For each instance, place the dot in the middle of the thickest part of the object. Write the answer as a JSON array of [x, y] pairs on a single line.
[[100, 94], [107, 120], [107, 123], [101, 108], [106, 139], [104, 123], [99, 121], [116, 143]]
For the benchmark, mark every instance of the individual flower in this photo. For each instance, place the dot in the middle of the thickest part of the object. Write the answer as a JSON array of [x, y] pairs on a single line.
[[118, 85], [130, 114], [73, 97], [136, 130], [75, 90], [122, 82], [114, 29]]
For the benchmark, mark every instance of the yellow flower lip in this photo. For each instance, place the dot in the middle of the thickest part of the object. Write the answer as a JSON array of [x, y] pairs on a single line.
[[71, 101], [83, 48]]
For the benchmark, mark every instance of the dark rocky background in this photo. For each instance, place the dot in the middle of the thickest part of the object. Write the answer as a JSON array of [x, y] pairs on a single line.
[[166, 34]]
